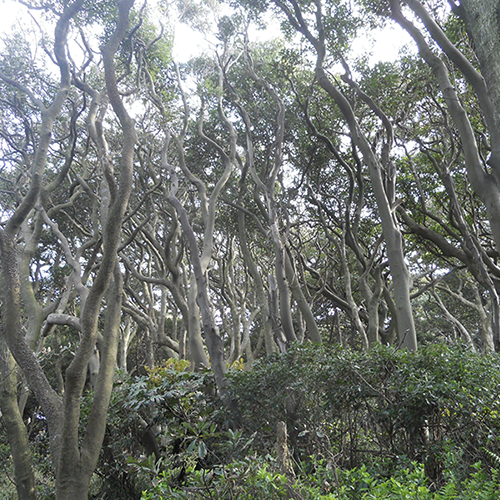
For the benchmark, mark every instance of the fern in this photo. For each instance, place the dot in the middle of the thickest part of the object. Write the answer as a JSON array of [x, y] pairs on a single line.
[[494, 457]]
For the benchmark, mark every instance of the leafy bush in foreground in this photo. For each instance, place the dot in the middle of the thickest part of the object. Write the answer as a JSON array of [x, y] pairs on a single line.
[[439, 406], [360, 425], [254, 479]]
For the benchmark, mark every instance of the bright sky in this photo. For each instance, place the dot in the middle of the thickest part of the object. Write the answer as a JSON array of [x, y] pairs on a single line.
[[9, 11], [187, 44]]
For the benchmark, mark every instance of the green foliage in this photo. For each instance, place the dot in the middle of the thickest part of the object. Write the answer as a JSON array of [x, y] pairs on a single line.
[[411, 483], [253, 478], [171, 405], [382, 424], [378, 406], [246, 480], [7, 488]]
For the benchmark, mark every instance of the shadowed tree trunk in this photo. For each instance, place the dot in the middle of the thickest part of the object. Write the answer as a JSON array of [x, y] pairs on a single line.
[[380, 168], [481, 19], [17, 436]]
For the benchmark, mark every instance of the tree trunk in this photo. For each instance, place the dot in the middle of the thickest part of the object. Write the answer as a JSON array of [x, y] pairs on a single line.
[[24, 356], [482, 19], [215, 344], [17, 436], [73, 479], [195, 341], [392, 234], [262, 300], [303, 305]]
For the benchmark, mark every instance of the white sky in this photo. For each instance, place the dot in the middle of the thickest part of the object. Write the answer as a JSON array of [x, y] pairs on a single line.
[[9, 11]]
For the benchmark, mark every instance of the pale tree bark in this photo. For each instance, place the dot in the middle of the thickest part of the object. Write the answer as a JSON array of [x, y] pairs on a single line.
[[348, 292], [377, 167], [274, 314], [263, 304], [214, 342], [233, 297], [127, 334], [267, 188], [260, 292], [195, 341], [485, 320], [145, 324], [24, 476], [301, 301], [369, 336], [76, 463], [348, 223], [372, 295], [266, 181], [245, 343], [481, 19], [10, 281], [199, 288], [455, 321]]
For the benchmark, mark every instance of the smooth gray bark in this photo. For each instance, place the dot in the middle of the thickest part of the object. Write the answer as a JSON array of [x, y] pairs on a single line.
[[480, 18], [17, 435], [401, 281]]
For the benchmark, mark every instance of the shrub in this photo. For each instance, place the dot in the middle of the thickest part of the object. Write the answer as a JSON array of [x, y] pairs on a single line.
[[165, 414], [380, 423], [439, 406]]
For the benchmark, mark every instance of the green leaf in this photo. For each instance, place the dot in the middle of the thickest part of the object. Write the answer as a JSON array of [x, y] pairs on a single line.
[[202, 450]]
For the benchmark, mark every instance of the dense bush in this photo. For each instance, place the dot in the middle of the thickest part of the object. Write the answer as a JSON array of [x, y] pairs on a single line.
[[158, 421], [381, 424], [439, 406], [357, 421], [254, 478]]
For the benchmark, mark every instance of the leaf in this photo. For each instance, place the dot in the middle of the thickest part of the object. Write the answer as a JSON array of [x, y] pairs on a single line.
[[202, 450]]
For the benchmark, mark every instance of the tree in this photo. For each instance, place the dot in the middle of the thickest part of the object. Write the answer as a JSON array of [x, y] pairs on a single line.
[[257, 198], [482, 175], [380, 166], [73, 460]]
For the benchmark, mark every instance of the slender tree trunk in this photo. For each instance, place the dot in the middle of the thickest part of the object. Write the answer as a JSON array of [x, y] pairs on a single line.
[[302, 303], [214, 342], [24, 356], [460, 327], [354, 308], [262, 300], [392, 234], [195, 341], [281, 281], [16, 430], [126, 336], [372, 298], [274, 315], [73, 480]]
